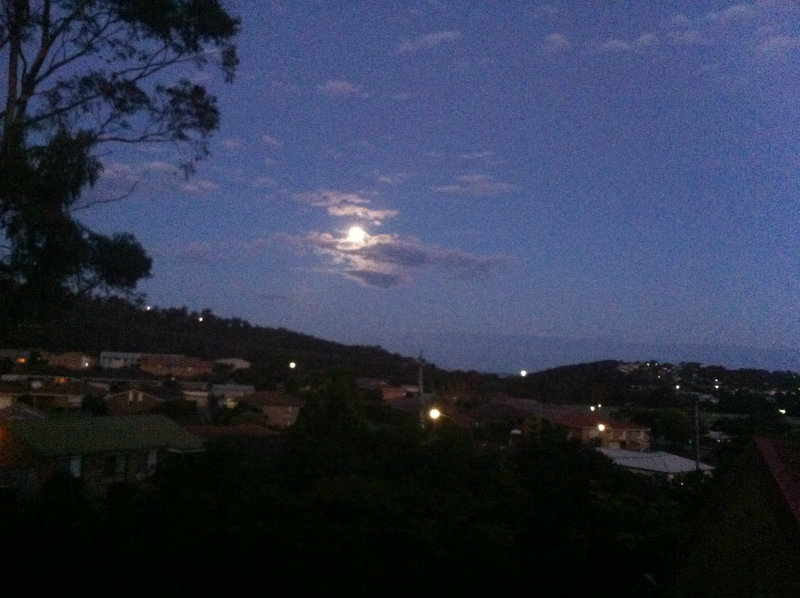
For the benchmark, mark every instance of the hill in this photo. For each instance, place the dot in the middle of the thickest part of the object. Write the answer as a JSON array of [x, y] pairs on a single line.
[[96, 325]]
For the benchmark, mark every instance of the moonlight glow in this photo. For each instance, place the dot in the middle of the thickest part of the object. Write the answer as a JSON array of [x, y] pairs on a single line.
[[356, 235]]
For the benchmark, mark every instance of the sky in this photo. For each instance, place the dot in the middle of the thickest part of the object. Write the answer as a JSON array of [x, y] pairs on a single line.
[[493, 185]]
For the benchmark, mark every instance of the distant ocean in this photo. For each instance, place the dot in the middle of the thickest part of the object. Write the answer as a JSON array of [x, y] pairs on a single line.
[[508, 354]]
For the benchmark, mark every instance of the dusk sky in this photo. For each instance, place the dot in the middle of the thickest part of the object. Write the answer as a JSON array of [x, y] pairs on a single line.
[[482, 182]]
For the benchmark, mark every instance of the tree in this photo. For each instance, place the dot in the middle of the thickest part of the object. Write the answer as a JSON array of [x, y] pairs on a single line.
[[81, 75]]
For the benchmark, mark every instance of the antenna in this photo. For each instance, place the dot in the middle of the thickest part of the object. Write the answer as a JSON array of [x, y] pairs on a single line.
[[421, 389]]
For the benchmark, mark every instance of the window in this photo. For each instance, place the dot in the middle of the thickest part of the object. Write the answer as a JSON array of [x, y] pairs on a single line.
[[71, 465], [115, 467]]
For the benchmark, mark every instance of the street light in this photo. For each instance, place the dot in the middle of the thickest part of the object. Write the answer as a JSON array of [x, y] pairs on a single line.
[[434, 414]]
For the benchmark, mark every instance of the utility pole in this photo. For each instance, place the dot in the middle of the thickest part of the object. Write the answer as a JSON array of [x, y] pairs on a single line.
[[421, 391], [697, 434]]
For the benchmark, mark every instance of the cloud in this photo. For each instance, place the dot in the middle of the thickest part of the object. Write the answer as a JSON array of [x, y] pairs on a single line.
[[427, 41], [477, 155], [556, 42], [690, 37], [194, 252], [199, 187], [732, 13], [118, 181], [618, 45], [339, 203], [263, 181], [392, 179], [479, 185], [338, 88], [232, 143], [777, 45], [387, 260], [271, 141]]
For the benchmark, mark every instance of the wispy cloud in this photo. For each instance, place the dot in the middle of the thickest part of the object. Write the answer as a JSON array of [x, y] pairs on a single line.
[[232, 143], [479, 185], [391, 178], [193, 252], [427, 41], [200, 187], [271, 141], [387, 260], [556, 42], [263, 181], [338, 88], [644, 40], [737, 12], [339, 203], [777, 45]]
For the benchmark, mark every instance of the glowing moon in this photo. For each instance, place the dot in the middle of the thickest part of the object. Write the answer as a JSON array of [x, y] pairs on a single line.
[[356, 235]]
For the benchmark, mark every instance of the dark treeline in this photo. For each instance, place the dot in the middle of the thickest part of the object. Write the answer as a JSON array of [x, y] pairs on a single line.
[[359, 501]]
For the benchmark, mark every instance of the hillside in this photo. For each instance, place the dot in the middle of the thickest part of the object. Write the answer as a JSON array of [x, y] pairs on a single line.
[[99, 325]]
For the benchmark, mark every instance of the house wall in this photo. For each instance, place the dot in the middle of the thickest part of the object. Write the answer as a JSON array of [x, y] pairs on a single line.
[[130, 402], [100, 471], [282, 416]]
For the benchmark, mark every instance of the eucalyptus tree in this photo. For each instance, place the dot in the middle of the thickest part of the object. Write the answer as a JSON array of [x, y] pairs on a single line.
[[80, 76]]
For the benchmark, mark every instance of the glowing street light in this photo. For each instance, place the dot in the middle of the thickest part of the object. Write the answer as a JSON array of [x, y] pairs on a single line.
[[434, 413], [523, 373], [292, 365], [601, 427]]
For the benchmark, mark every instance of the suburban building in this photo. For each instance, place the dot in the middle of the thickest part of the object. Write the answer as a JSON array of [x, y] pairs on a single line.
[[657, 463], [73, 360], [179, 366], [605, 432], [101, 451], [131, 401], [228, 394], [281, 409], [234, 363], [114, 360]]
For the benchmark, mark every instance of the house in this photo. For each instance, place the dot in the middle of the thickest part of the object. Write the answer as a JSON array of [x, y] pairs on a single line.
[[101, 451], [606, 433], [114, 360], [179, 366], [59, 393], [198, 392], [234, 363], [657, 463], [281, 409], [16, 356], [386, 391], [73, 360], [131, 401], [747, 541], [228, 394]]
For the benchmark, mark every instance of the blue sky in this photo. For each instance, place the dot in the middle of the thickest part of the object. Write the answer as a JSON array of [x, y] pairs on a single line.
[[613, 174]]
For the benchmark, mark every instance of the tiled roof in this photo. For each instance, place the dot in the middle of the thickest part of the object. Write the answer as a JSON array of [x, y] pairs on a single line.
[[62, 436], [783, 461]]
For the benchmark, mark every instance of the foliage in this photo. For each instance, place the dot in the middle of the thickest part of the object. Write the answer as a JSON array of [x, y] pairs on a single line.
[[82, 75], [347, 507]]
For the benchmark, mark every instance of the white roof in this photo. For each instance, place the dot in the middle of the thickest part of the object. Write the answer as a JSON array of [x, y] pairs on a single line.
[[657, 461]]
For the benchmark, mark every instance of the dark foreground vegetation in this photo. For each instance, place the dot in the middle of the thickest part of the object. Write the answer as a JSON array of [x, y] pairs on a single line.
[[359, 500]]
